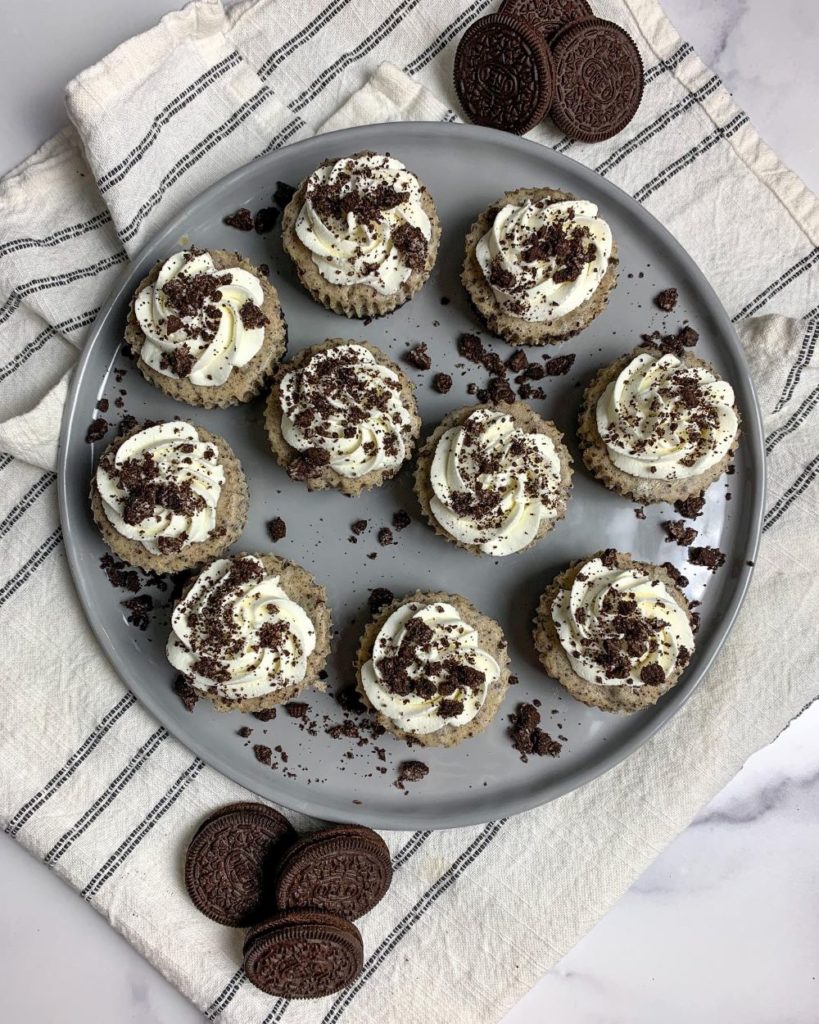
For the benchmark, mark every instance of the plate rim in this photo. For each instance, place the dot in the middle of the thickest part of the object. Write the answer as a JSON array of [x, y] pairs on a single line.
[[753, 437]]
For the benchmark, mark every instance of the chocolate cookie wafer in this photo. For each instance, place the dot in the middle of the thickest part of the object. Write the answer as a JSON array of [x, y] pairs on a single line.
[[599, 80], [503, 74], [346, 870], [232, 860], [303, 954], [547, 16]]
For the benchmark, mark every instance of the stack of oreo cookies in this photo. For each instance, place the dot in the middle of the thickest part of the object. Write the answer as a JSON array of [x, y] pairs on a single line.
[[539, 57], [298, 898]]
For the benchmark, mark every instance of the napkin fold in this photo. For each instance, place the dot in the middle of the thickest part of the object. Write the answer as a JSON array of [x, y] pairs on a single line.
[[89, 781]]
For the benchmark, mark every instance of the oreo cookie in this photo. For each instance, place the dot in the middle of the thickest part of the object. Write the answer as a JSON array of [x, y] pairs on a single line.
[[303, 954], [346, 870], [547, 16], [599, 80], [232, 860], [503, 74]]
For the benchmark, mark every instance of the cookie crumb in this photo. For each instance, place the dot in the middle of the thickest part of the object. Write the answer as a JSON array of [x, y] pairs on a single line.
[[667, 300], [241, 219], [277, 529], [419, 357], [442, 383], [186, 693], [411, 771], [263, 753], [709, 558], [379, 598]]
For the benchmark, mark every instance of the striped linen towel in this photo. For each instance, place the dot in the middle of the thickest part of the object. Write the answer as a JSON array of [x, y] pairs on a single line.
[[88, 781]]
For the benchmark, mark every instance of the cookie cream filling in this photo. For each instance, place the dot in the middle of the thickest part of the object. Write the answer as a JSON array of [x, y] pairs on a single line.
[[427, 671], [665, 420], [543, 259], [494, 483], [199, 322], [161, 487], [346, 403], [364, 223], [237, 635], [620, 627]]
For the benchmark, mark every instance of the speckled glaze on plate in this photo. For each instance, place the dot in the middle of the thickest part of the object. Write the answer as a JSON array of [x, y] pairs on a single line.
[[465, 168]]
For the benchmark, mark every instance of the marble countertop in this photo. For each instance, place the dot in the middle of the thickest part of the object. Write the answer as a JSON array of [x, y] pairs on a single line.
[[724, 926]]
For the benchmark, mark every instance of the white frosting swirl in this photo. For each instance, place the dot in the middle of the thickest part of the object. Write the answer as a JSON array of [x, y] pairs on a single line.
[[494, 483], [162, 486], [665, 420], [427, 671], [528, 257], [619, 627], [237, 635], [195, 315], [345, 402], [364, 223]]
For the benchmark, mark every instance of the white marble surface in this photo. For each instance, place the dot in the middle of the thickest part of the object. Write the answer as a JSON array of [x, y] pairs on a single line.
[[724, 927]]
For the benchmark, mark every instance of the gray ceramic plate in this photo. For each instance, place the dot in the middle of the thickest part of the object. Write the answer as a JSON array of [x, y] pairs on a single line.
[[466, 168]]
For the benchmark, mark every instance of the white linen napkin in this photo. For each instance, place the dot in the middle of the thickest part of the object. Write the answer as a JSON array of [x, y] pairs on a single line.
[[88, 780]]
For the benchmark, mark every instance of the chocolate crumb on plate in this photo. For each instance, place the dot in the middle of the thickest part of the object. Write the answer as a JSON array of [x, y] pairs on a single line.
[[675, 574], [667, 300], [277, 529], [297, 708], [707, 557], [385, 537], [266, 715], [263, 753], [557, 366], [139, 608], [265, 220], [411, 771], [401, 519], [527, 736], [283, 194], [379, 598], [186, 693], [691, 508], [442, 382], [677, 531], [241, 219], [97, 429], [419, 357], [359, 526], [244, 732]]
